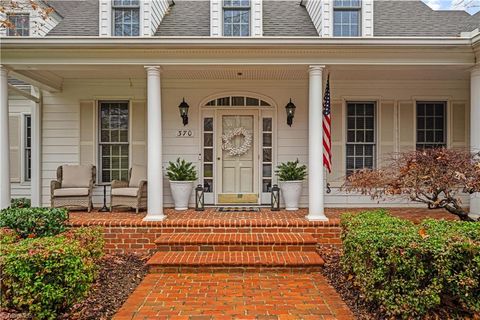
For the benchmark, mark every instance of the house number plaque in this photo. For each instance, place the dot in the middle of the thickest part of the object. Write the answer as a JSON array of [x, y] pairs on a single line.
[[184, 133]]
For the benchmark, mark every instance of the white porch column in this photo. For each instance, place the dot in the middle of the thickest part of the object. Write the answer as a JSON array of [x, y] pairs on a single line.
[[315, 146], [475, 129], [154, 145], [4, 141]]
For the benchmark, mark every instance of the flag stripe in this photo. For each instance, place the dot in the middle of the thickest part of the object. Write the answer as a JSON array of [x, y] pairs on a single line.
[[327, 125]]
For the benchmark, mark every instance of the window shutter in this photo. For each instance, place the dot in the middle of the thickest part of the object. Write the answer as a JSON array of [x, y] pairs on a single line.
[[386, 146], [458, 130], [87, 132], [139, 133], [15, 147], [338, 144], [406, 125]]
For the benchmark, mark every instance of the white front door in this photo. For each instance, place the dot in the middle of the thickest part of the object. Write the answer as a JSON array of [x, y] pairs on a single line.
[[237, 174]]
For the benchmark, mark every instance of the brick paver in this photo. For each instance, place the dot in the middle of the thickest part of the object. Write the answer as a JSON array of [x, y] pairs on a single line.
[[218, 296]]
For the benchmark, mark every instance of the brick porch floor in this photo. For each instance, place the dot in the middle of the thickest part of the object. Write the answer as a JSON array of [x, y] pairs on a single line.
[[198, 296]]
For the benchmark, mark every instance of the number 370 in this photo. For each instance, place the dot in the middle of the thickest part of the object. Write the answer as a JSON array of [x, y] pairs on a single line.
[[184, 133]]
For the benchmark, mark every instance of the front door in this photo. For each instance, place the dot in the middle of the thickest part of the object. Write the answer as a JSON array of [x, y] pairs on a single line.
[[237, 157]]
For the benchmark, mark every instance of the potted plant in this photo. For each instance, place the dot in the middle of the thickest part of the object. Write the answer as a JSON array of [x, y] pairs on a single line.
[[291, 175], [182, 175]]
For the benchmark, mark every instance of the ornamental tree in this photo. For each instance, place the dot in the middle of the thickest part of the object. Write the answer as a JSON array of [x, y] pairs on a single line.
[[436, 177], [40, 7]]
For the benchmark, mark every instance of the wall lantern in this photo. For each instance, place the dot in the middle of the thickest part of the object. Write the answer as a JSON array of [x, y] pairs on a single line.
[[290, 108], [275, 205], [183, 107], [199, 198]]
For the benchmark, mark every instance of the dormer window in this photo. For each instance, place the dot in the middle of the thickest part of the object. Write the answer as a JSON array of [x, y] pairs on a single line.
[[236, 18], [126, 17], [20, 24], [347, 18]]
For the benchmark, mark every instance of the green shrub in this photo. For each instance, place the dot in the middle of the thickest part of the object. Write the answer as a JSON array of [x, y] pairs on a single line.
[[20, 203], [291, 171], [34, 222], [410, 270], [7, 236], [90, 238], [181, 170], [46, 276]]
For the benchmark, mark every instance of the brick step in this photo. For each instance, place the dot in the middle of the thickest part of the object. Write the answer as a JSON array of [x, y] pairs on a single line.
[[224, 260], [236, 242]]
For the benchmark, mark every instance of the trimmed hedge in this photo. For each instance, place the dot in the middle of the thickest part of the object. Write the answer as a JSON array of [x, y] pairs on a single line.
[[410, 270], [34, 222], [46, 276]]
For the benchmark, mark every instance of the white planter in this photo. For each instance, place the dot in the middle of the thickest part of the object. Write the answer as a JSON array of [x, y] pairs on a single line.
[[291, 191], [181, 191]]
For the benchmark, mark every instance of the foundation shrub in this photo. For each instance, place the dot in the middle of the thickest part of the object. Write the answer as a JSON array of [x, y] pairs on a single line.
[[34, 222], [410, 270], [45, 276]]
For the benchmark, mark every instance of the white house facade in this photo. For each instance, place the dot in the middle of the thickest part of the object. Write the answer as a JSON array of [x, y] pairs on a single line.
[[102, 83]]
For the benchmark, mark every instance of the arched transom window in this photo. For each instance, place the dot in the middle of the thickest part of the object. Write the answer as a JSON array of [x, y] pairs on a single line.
[[238, 101]]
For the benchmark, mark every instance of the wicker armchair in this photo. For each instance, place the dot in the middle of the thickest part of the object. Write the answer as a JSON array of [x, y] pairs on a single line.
[[73, 187], [131, 193]]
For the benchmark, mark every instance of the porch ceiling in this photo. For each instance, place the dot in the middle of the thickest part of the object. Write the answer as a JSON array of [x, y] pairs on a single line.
[[59, 73]]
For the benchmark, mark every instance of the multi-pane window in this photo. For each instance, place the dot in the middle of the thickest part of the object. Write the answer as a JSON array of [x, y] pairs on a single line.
[[347, 18], [267, 154], [126, 17], [431, 124], [20, 25], [360, 136], [113, 141], [27, 146], [236, 18], [208, 154]]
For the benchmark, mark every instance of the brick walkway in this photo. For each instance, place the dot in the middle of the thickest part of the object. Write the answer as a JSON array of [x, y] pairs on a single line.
[[198, 296]]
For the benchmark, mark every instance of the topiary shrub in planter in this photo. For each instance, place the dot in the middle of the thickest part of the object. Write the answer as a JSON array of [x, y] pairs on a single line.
[[291, 175], [410, 270], [34, 222], [46, 276], [182, 175]]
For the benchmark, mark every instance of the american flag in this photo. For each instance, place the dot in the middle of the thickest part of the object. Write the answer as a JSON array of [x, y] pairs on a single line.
[[327, 124]]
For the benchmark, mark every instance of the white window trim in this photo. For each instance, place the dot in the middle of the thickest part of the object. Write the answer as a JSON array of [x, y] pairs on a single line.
[[96, 150], [23, 136], [256, 18]]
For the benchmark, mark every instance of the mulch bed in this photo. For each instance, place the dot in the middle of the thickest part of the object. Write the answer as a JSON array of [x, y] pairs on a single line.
[[363, 310], [118, 276]]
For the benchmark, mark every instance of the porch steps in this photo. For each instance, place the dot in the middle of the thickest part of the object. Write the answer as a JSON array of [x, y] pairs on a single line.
[[181, 261], [205, 252], [275, 242]]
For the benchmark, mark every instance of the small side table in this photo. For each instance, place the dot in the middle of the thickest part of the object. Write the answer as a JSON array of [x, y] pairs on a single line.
[[104, 208]]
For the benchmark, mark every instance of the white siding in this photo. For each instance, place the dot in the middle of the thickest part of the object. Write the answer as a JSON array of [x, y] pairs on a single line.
[[61, 126], [18, 107], [320, 12], [158, 9]]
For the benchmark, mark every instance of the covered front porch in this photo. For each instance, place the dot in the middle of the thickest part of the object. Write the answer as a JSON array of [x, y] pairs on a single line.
[[247, 88]]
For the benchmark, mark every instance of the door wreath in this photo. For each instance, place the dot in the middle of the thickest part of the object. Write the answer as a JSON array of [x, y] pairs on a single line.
[[227, 143]]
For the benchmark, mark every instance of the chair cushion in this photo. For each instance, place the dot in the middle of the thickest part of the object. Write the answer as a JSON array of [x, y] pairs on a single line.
[[70, 192], [76, 176], [139, 173], [125, 192]]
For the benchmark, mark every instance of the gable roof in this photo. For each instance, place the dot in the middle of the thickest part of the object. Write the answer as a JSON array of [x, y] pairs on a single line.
[[186, 18], [287, 19], [415, 18], [282, 18], [80, 18]]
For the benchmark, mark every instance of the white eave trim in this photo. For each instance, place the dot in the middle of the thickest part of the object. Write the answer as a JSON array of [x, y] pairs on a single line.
[[209, 42]]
